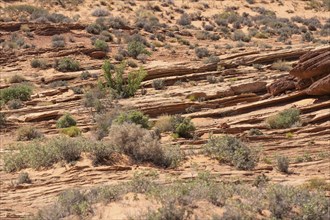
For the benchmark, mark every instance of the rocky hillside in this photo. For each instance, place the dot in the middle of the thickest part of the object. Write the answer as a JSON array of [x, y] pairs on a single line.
[[164, 109]]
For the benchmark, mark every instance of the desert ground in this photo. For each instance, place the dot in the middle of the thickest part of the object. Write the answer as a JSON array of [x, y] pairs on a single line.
[[164, 110]]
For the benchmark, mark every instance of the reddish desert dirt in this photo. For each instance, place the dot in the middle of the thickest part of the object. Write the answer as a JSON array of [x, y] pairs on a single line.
[[242, 100]]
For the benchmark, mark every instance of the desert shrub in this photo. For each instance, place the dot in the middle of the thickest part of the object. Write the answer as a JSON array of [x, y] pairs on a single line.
[[212, 59], [141, 145], [281, 66], [99, 12], [58, 41], [211, 79], [92, 98], [104, 122], [27, 133], [15, 104], [202, 52], [158, 84], [39, 154], [94, 28], [261, 180], [307, 37], [182, 126], [21, 91], [85, 75], [239, 35], [58, 83], [132, 63], [122, 87], [16, 79], [38, 63], [117, 22], [72, 131], [318, 184], [230, 150], [102, 154], [65, 121], [66, 64], [135, 48], [284, 119], [282, 163], [119, 57], [184, 20], [2, 119], [133, 116], [23, 178], [73, 202], [164, 123], [255, 132], [101, 45]]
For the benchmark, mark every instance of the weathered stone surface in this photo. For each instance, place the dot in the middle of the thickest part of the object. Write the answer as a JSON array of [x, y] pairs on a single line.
[[39, 116], [281, 86], [249, 87], [320, 87], [159, 69], [313, 64], [98, 54]]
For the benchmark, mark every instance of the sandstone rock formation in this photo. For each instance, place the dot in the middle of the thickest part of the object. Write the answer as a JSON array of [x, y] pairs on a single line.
[[312, 74]]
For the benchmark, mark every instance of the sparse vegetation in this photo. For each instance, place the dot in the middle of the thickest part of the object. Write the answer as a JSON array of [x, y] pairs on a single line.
[[282, 164], [66, 121], [72, 131], [101, 45], [17, 79], [66, 64], [136, 48], [281, 66], [58, 41], [133, 116], [158, 84], [122, 87], [39, 63], [21, 91], [284, 119], [142, 145], [230, 150], [27, 133], [23, 178]]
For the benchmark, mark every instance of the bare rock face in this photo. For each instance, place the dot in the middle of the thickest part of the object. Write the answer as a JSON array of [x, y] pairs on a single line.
[[313, 64], [281, 86], [320, 87], [312, 74], [39, 116]]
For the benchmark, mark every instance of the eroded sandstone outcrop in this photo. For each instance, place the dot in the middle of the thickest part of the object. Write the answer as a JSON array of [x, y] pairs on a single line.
[[311, 74]]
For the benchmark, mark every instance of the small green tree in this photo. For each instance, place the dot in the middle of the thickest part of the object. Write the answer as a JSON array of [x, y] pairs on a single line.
[[114, 76]]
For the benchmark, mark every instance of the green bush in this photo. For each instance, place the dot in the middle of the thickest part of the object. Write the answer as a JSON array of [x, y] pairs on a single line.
[[101, 45], [135, 48], [67, 64], [58, 41], [135, 117], [183, 127], [284, 119], [65, 121], [72, 131], [115, 80], [27, 133], [230, 150], [21, 92]]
